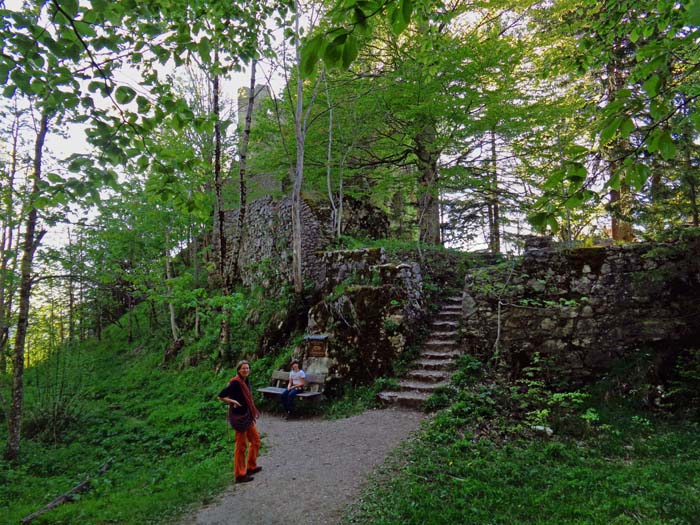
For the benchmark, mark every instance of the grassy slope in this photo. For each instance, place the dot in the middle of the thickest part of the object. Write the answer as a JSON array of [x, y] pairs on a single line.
[[163, 430], [630, 469]]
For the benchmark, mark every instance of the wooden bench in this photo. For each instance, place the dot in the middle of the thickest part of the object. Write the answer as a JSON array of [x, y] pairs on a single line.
[[313, 389]]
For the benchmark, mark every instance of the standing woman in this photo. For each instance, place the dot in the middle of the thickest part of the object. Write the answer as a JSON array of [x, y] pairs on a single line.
[[242, 415]]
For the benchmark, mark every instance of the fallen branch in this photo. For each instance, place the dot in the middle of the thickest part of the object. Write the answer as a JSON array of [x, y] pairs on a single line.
[[81, 487]]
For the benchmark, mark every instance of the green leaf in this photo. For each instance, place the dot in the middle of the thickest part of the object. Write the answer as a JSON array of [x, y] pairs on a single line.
[[573, 202], [637, 176], [554, 181], [204, 48], [143, 104], [538, 220], [614, 182], [610, 128], [41, 203], [333, 53], [626, 128], [577, 151], [142, 163], [310, 53], [653, 141], [666, 146], [692, 16], [651, 86], [5, 69], [70, 7], [350, 51], [397, 21], [124, 94], [406, 10], [576, 173], [695, 119], [657, 109]]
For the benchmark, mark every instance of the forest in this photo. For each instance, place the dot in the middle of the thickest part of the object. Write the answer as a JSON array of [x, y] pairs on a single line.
[[138, 139]]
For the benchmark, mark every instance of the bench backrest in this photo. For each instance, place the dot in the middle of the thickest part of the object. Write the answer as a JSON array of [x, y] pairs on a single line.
[[314, 382]]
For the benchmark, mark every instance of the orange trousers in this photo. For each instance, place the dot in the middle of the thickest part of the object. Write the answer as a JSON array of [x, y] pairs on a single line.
[[243, 439]]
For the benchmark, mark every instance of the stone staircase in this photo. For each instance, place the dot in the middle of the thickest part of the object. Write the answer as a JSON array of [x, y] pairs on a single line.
[[434, 366]]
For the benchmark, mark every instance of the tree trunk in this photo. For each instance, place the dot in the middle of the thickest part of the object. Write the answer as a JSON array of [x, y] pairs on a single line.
[[494, 208], [297, 255], [428, 199], [29, 246], [71, 291], [620, 200], [335, 219], [7, 239], [218, 182], [245, 139], [169, 275], [194, 255], [225, 329]]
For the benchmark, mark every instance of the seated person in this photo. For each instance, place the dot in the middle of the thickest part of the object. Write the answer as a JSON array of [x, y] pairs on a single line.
[[297, 380]]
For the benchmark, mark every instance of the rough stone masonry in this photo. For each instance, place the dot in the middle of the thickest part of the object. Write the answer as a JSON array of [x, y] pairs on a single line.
[[586, 309]]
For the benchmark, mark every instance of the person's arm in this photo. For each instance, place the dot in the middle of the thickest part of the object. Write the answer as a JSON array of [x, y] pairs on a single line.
[[230, 401], [226, 396]]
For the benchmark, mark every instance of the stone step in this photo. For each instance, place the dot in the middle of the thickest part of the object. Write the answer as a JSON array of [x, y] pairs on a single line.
[[444, 324], [410, 399], [408, 385], [437, 353], [429, 375], [443, 334], [448, 316], [435, 363], [440, 344], [453, 300], [452, 307]]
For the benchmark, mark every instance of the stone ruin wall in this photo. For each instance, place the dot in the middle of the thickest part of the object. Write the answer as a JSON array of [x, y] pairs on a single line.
[[266, 254], [587, 308], [370, 320]]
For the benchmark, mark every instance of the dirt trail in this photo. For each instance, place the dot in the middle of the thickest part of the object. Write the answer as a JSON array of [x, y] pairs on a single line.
[[312, 469]]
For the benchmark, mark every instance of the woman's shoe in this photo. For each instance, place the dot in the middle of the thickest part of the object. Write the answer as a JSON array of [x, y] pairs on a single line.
[[253, 471], [244, 479]]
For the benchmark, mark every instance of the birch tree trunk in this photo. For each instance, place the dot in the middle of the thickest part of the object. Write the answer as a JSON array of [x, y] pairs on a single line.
[[8, 230], [225, 331], [297, 255], [245, 139], [494, 205], [29, 245], [169, 275]]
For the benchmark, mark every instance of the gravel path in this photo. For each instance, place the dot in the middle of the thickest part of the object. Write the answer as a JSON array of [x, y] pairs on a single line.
[[312, 469]]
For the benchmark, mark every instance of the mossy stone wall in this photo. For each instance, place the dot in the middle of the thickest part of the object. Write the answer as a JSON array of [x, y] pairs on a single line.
[[586, 309]]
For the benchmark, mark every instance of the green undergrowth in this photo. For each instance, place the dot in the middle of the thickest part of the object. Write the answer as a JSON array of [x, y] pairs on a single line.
[[502, 452], [160, 432], [157, 429], [626, 475]]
